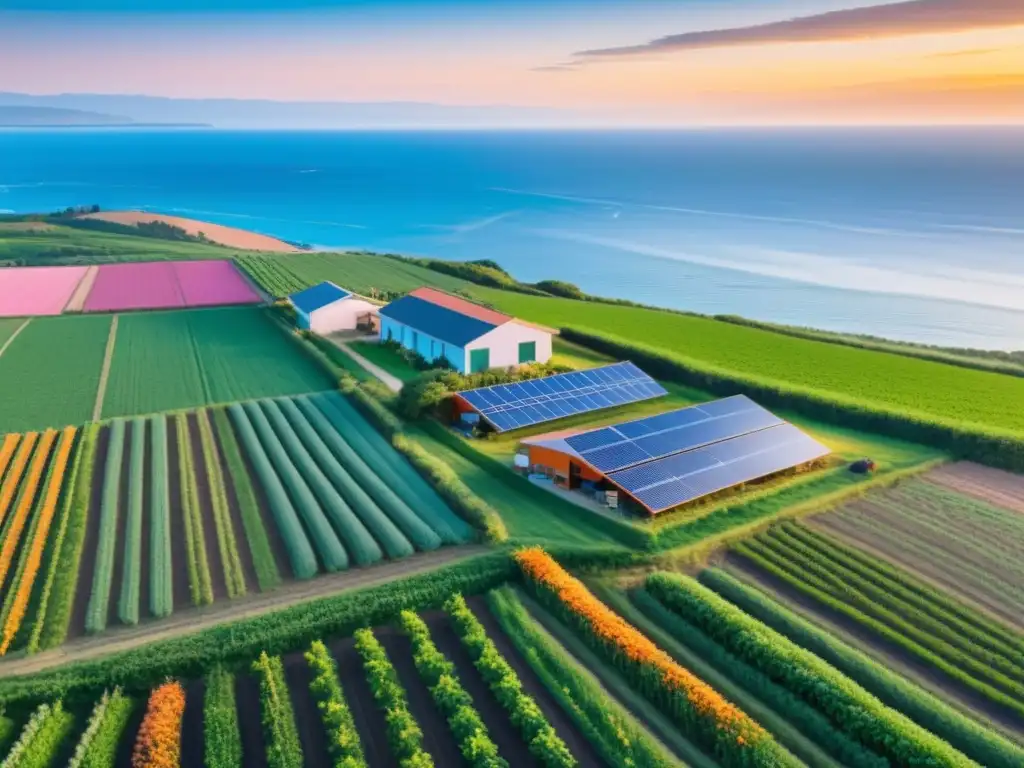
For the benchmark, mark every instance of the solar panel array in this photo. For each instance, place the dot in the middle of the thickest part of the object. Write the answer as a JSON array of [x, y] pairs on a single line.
[[524, 403], [673, 458]]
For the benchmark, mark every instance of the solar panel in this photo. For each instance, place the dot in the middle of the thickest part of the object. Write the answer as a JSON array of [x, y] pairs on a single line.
[[669, 433], [673, 480], [524, 403]]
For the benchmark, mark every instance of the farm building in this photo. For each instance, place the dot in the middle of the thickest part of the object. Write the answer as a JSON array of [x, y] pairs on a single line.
[[505, 407], [471, 337], [326, 308], [661, 462]]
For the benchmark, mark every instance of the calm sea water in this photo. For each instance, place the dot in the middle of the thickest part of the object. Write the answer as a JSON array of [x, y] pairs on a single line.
[[911, 234]]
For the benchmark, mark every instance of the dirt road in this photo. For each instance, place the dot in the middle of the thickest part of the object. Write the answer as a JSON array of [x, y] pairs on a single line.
[[197, 619]]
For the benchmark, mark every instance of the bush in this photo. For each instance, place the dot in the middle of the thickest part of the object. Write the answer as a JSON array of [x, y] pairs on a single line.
[[562, 288], [342, 735], [539, 734], [847, 705], [158, 743]]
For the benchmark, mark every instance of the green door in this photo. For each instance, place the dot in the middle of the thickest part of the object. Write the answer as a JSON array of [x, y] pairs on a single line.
[[527, 351], [479, 360]]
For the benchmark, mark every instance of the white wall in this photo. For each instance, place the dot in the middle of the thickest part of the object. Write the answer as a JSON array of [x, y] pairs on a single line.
[[504, 340], [339, 316]]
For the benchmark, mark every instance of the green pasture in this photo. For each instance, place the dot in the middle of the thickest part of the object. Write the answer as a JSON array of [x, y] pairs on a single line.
[[386, 358]]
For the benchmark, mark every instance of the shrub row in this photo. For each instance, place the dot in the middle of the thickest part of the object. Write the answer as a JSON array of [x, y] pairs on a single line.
[[16, 523], [541, 737], [102, 749], [12, 480], [1001, 450], [475, 743], [19, 591], [852, 709], [222, 741], [131, 573], [161, 580], [237, 643], [300, 552], [977, 742], [263, 562], [612, 729], [58, 593], [404, 734], [41, 738], [342, 736], [718, 726], [99, 598], [279, 730], [227, 545], [199, 579], [158, 742]]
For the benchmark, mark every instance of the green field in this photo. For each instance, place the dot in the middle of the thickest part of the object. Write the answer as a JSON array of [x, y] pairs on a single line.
[[35, 244], [388, 359], [49, 373], [358, 272], [8, 325], [171, 360], [856, 376]]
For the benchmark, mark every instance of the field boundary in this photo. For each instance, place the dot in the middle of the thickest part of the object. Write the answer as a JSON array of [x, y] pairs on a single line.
[[76, 303], [13, 336], [108, 356]]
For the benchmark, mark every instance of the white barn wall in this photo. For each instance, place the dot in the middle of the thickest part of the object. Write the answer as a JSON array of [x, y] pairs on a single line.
[[339, 316], [504, 341]]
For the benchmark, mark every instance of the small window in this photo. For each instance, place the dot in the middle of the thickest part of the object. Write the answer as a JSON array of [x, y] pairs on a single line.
[[527, 351], [479, 360]]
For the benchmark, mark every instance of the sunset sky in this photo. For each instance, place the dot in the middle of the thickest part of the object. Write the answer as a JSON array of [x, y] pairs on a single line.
[[618, 61]]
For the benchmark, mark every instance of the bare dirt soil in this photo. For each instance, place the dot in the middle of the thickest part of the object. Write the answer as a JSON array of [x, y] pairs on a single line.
[[125, 747], [307, 717], [192, 735], [179, 547], [1003, 489], [885, 652], [250, 720], [187, 622], [580, 747], [215, 233], [368, 717], [220, 589], [87, 566], [511, 745]]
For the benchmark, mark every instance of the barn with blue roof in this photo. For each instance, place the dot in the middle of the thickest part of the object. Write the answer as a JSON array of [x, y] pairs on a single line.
[[328, 308], [471, 337]]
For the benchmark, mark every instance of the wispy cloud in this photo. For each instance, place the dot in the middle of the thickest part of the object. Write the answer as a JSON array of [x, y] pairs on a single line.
[[890, 20], [567, 67]]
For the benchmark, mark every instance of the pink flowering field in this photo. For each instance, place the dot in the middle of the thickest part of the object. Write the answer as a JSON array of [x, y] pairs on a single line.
[[167, 284], [206, 283], [31, 291]]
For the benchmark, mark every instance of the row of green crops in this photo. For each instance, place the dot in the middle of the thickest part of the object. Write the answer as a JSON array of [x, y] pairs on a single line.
[[543, 741], [161, 589], [927, 710], [97, 746], [99, 598], [404, 734], [128, 606], [342, 737], [199, 578], [475, 743], [279, 729], [848, 706], [899, 623], [271, 274], [41, 737], [222, 741], [227, 543]]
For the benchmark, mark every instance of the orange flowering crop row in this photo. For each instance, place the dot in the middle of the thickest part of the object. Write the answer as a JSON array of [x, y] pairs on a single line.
[[28, 495], [7, 450], [38, 544], [10, 484], [613, 630], [158, 744]]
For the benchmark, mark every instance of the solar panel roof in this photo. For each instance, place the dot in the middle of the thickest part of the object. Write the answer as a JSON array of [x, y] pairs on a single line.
[[524, 403], [611, 449], [683, 477]]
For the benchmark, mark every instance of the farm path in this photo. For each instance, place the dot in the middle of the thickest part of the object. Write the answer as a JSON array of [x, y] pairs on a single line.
[[13, 336], [390, 381], [190, 621], [108, 356], [77, 301]]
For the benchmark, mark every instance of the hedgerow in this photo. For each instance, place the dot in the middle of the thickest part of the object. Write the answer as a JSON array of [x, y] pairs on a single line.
[[846, 704]]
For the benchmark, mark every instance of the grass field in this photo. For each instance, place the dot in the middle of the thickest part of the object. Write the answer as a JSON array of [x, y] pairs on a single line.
[[386, 358], [8, 325], [30, 245], [977, 657], [50, 372], [171, 360], [361, 273], [862, 376]]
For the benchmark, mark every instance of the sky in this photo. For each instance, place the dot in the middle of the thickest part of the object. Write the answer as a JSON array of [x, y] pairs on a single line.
[[644, 62]]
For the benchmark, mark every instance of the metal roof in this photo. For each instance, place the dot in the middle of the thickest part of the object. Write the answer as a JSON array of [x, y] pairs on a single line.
[[317, 297], [460, 305], [434, 320]]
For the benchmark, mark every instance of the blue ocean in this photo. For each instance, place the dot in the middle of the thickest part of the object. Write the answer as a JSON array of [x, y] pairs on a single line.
[[914, 234]]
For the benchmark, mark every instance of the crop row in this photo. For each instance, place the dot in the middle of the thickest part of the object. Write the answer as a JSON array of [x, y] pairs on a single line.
[[894, 625], [278, 717], [271, 274]]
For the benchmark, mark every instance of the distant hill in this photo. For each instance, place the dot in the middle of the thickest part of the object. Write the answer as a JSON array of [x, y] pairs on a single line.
[[24, 116]]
